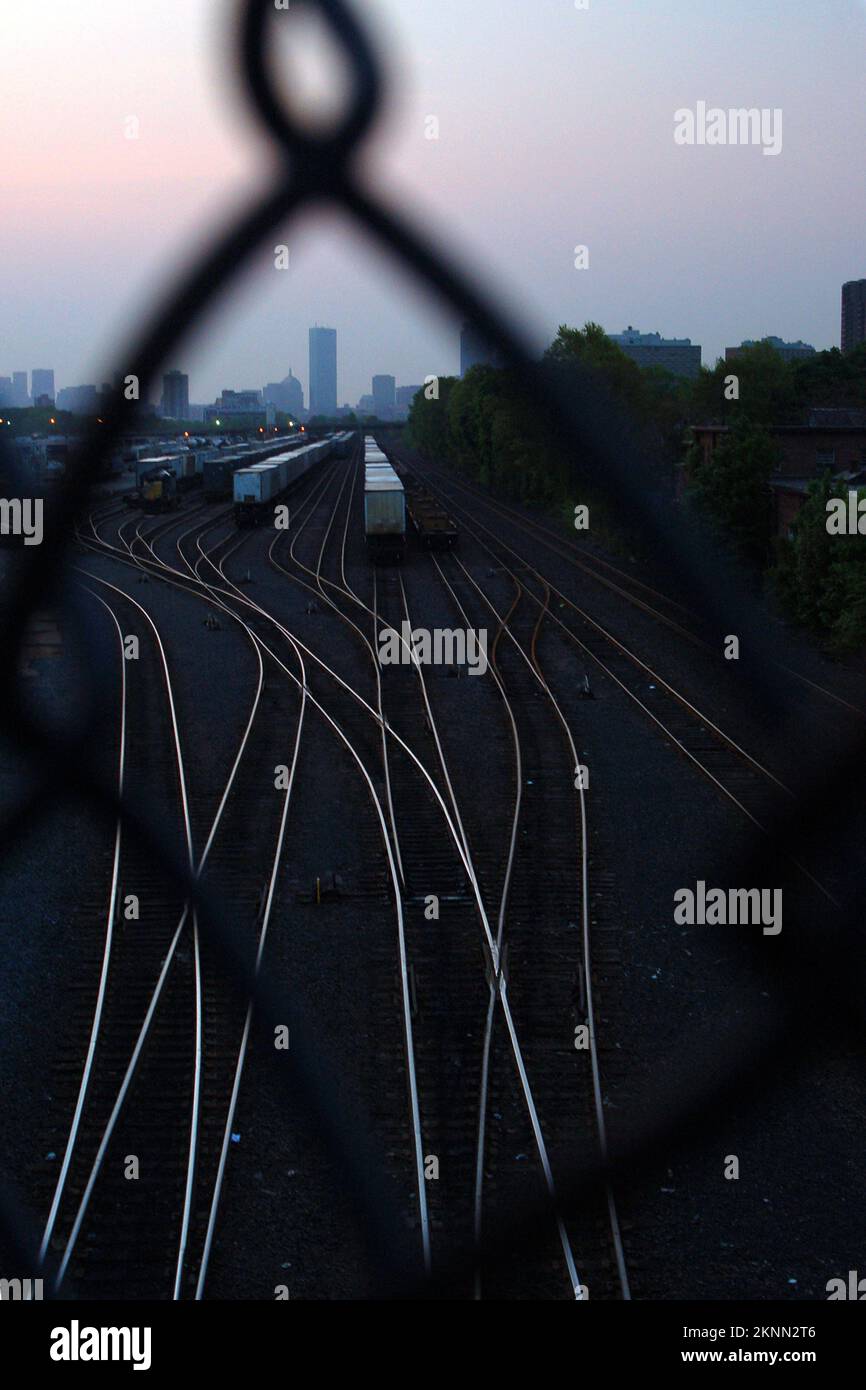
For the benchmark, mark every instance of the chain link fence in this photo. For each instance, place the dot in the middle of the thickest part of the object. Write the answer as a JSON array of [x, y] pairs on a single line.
[[819, 963]]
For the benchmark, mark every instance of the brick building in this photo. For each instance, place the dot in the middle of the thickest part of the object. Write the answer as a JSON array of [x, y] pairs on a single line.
[[827, 441]]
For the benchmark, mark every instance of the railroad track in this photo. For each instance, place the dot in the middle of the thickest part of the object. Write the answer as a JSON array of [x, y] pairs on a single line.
[[471, 959], [748, 784], [660, 607], [419, 849], [172, 1110], [130, 1219]]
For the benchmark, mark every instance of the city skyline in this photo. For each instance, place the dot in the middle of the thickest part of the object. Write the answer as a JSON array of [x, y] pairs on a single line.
[[594, 161], [679, 355]]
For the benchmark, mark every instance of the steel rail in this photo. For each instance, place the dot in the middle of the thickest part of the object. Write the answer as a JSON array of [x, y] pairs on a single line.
[[97, 1164], [577, 558], [598, 1099], [96, 1024], [463, 848], [407, 1021], [681, 699]]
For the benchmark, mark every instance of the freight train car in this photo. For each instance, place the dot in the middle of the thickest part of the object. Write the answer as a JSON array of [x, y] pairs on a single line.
[[182, 464], [432, 524], [221, 465], [257, 489], [384, 507], [218, 472], [435, 528]]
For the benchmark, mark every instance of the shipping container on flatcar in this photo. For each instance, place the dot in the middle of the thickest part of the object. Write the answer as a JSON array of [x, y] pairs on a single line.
[[259, 487], [219, 469], [384, 507]]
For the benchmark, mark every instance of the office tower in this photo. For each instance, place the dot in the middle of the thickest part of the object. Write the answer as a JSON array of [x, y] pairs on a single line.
[[20, 393], [676, 355], [175, 395], [323, 371], [42, 383], [853, 314], [384, 392]]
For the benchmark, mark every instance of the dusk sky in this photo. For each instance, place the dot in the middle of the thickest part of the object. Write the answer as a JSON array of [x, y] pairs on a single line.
[[556, 129]]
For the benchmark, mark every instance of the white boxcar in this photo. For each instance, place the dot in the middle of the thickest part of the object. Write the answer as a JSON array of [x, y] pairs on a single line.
[[384, 514], [257, 485]]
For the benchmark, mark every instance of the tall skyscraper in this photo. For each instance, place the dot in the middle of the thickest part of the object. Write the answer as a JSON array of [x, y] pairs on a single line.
[[20, 394], [175, 395], [384, 390], [42, 383], [323, 371], [853, 314]]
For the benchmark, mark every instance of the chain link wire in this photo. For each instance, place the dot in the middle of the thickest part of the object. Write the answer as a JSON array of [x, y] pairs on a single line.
[[820, 973]]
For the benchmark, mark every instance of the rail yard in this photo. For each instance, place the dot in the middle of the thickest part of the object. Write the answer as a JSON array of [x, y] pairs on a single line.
[[466, 884]]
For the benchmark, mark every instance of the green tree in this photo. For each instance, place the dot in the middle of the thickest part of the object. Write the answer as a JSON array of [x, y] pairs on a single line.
[[821, 578], [732, 487]]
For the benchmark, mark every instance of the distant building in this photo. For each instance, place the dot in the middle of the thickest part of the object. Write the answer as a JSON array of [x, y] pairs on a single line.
[[406, 395], [475, 351], [366, 405], [287, 395], [175, 395], [853, 314], [79, 400], [42, 383], [232, 404], [323, 371], [384, 396], [5, 390], [20, 393], [239, 402], [676, 355], [789, 352]]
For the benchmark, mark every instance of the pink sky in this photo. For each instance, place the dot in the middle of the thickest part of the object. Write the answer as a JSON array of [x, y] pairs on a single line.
[[555, 129]]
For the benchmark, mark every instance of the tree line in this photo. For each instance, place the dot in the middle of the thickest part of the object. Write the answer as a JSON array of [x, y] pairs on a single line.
[[484, 427]]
